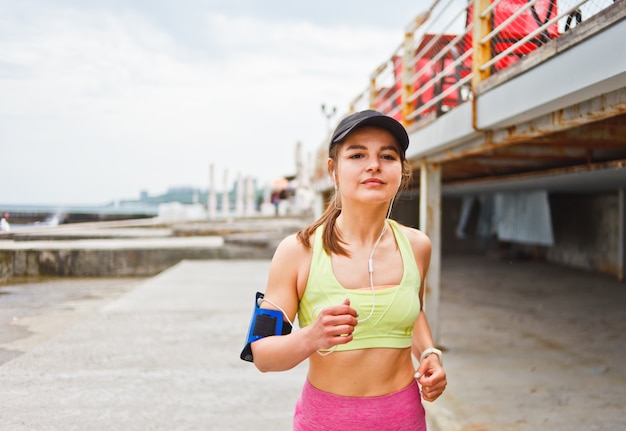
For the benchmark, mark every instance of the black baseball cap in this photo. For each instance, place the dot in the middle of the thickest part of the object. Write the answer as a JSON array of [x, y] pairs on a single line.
[[370, 118]]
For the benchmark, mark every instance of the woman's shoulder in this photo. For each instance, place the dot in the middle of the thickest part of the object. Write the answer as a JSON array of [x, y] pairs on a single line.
[[420, 242], [291, 248], [290, 265]]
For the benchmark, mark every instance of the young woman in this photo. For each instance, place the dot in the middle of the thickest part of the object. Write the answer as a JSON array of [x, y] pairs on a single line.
[[355, 279]]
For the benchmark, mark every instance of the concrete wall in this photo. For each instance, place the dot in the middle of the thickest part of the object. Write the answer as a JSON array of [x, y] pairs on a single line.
[[95, 263], [110, 263], [406, 211], [585, 230]]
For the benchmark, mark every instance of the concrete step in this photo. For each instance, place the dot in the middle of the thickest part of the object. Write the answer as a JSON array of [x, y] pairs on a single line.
[[136, 248]]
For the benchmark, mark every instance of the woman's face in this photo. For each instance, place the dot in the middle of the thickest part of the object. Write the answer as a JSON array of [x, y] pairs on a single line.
[[369, 166]]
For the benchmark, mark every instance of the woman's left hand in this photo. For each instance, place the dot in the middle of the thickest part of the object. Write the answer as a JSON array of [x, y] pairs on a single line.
[[432, 378]]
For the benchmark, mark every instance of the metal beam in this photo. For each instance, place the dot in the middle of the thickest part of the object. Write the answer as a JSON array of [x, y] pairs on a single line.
[[593, 178], [596, 109]]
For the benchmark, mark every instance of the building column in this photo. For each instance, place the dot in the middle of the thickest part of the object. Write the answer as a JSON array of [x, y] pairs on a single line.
[[430, 224], [212, 199], [621, 233]]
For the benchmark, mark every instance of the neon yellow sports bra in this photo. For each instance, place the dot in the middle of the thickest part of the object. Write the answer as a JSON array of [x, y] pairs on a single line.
[[396, 308]]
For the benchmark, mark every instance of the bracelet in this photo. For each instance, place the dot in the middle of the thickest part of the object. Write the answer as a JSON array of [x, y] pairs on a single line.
[[430, 351]]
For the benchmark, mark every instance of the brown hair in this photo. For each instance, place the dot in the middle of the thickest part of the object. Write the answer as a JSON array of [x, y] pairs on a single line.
[[331, 238]]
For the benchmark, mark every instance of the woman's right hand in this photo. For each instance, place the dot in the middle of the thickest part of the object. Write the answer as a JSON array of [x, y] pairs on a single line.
[[334, 325]]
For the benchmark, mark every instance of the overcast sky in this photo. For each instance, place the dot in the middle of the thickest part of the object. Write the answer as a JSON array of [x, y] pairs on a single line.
[[102, 99]]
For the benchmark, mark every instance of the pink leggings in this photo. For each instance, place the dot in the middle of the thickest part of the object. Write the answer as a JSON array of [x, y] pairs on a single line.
[[321, 411]]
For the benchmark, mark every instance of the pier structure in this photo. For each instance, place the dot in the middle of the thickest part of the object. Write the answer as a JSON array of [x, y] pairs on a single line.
[[516, 113]]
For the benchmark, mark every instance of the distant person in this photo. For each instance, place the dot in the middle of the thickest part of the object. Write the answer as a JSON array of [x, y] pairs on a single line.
[[4, 223], [355, 279], [275, 198]]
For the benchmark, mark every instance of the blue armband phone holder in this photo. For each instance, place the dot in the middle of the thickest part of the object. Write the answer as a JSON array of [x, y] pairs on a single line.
[[264, 323]]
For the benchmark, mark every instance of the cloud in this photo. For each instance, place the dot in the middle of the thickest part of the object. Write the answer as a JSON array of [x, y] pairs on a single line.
[[101, 103]]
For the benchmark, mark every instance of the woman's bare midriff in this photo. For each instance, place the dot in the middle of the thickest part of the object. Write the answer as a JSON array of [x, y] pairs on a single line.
[[362, 373]]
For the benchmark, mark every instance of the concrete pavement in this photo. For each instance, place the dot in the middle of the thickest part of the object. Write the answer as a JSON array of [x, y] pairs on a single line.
[[164, 356], [529, 346]]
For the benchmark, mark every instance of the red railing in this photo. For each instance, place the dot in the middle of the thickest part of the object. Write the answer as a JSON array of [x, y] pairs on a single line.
[[447, 51]]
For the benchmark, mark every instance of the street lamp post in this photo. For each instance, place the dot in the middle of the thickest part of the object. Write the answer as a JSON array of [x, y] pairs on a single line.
[[328, 114]]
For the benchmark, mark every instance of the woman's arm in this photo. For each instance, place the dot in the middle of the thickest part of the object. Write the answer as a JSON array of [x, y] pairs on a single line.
[[286, 282], [430, 373]]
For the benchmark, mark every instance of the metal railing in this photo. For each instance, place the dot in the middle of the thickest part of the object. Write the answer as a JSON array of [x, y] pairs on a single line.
[[449, 49]]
